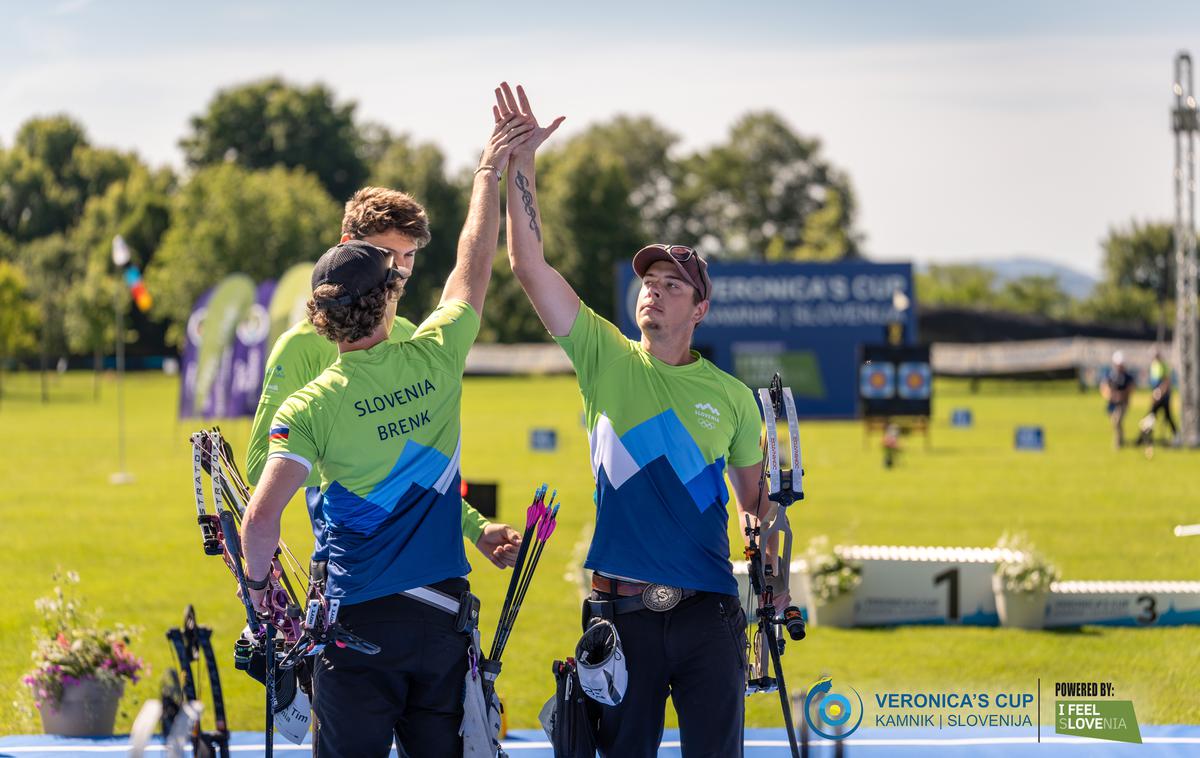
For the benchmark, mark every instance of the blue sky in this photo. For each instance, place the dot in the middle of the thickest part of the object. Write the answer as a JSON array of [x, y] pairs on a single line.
[[969, 130]]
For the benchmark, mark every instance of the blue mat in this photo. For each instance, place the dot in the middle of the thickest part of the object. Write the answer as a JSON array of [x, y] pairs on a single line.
[[1158, 741]]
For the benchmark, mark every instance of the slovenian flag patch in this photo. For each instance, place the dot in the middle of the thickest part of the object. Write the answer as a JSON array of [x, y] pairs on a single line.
[[279, 433]]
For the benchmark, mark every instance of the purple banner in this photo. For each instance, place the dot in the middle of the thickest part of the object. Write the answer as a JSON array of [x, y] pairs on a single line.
[[249, 354], [189, 368], [213, 331]]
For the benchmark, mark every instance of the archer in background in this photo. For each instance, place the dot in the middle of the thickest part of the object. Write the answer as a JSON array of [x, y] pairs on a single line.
[[1160, 393], [1117, 388]]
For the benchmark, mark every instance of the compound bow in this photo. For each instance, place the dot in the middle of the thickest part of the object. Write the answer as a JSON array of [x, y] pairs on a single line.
[[190, 642], [291, 636], [784, 486]]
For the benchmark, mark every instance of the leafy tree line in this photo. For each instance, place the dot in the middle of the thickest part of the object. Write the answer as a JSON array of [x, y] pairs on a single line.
[[269, 164], [1137, 288]]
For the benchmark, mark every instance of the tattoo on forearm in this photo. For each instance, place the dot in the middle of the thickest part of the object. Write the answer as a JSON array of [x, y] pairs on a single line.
[[527, 201]]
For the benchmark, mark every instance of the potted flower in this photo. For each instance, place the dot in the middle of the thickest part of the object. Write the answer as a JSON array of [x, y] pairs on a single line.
[[1022, 583], [831, 583], [79, 668]]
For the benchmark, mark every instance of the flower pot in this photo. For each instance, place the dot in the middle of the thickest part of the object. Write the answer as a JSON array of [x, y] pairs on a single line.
[[88, 709], [837, 612], [1021, 610]]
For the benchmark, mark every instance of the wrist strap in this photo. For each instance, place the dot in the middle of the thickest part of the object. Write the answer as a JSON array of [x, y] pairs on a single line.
[[260, 585], [488, 167]]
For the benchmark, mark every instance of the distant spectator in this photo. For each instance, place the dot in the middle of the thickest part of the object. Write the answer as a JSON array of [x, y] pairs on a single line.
[[1116, 389], [1160, 391]]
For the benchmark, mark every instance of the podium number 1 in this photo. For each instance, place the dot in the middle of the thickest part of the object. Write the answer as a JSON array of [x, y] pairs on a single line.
[[950, 576]]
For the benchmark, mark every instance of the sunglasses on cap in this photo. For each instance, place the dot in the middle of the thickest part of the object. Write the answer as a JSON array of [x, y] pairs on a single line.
[[681, 253]]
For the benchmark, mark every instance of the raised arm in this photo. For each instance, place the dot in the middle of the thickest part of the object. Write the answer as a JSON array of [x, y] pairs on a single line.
[[481, 232], [554, 300]]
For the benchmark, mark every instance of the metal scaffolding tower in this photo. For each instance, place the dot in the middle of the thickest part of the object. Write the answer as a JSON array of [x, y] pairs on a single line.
[[1185, 124]]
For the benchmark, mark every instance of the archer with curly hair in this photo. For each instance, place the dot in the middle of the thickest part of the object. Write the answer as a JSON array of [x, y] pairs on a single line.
[[340, 320], [394, 222], [381, 428]]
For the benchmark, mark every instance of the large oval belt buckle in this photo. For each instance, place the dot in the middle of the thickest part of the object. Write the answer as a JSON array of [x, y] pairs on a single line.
[[661, 597]]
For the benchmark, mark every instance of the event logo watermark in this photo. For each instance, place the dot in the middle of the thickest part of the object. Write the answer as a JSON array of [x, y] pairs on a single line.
[[943, 710], [1098, 719], [1081, 709], [832, 709]]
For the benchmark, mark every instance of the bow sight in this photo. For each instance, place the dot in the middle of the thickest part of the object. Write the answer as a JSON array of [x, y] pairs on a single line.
[[783, 486]]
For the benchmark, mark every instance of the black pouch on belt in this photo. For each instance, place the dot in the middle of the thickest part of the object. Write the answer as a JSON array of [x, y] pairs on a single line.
[[468, 613]]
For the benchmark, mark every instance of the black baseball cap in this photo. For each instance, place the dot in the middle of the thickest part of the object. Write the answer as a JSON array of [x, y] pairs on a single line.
[[357, 267]]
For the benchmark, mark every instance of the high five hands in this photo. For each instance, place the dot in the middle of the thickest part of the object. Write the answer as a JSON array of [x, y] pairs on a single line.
[[509, 108], [509, 132]]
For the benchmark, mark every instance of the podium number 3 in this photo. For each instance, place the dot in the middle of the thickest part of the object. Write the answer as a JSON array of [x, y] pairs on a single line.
[[1149, 610]]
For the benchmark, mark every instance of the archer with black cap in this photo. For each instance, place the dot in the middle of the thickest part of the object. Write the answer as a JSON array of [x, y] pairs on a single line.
[[394, 222], [665, 427], [382, 428], [354, 268]]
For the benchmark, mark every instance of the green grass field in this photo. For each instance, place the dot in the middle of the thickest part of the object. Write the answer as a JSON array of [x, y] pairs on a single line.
[[1097, 513]]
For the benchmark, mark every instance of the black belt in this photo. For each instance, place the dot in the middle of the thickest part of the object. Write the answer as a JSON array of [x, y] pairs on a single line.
[[656, 597]]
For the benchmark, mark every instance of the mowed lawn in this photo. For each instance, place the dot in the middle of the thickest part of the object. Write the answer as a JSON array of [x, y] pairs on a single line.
[[1099, 514]]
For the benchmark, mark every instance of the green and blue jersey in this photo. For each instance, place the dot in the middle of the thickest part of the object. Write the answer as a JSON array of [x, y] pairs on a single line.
[[661, 437], [296, 358], [381, 429]]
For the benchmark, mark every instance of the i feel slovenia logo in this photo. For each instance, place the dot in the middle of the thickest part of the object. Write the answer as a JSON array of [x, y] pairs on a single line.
[[829, 713]]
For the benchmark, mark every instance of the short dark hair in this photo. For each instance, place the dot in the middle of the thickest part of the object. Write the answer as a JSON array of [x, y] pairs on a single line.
[[354, 321], [376, 210]]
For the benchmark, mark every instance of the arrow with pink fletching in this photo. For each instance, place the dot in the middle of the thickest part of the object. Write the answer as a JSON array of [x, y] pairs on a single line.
[[537, 532]]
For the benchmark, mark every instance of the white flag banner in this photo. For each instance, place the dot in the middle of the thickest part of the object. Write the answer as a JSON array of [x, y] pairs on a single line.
[[120, 251]]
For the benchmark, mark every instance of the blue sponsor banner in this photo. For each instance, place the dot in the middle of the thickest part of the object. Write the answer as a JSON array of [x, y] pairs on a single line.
[[803, 320]]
